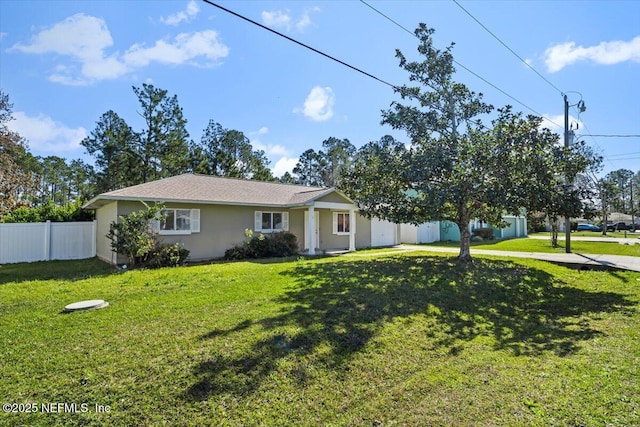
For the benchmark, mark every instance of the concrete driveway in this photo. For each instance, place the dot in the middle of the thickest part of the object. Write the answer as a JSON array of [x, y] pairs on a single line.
[[631, 238], [584, 261]]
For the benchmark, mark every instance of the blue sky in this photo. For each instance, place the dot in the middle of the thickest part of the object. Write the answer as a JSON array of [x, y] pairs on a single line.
[[65, 63]]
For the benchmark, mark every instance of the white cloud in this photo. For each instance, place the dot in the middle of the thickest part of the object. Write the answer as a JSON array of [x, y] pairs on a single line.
[[185, 48], [319, 104], [271, 150], [303, 22], [45, 134], [556, 123], [285, 164], [276, 19], [186, 15], [84, 40], [81, 36], [283, 20], [277, 149], [561, 55], [274, 151]]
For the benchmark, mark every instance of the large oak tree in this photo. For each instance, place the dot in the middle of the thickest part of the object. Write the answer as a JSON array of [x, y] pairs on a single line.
[[455, 167]]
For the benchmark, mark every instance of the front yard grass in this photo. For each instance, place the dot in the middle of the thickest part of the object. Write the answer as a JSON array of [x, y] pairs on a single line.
[[365, 339]]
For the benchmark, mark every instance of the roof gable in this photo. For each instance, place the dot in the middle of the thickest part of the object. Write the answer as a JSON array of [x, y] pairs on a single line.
[[206, 189]]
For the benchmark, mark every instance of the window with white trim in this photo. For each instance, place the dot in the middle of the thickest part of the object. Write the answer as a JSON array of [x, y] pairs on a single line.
[[271, 222], [179, 221], [341, 223]]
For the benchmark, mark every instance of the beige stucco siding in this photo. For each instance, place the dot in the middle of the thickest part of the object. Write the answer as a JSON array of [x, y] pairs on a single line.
[[296, 225], [104, 217], [333, 198], [328, 240], [221, 227]]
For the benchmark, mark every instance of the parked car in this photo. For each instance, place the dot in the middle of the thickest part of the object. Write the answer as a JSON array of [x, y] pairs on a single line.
[[618, 226], [589, 227]]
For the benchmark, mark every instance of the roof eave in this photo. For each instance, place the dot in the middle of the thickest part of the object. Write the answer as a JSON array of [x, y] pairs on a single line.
[[100, 201], [327, 192]]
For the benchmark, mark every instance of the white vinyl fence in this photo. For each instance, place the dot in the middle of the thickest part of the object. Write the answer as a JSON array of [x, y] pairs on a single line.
[[44, 241]]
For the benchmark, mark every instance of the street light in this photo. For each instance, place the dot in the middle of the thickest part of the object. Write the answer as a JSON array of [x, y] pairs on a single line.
[[581, 108]]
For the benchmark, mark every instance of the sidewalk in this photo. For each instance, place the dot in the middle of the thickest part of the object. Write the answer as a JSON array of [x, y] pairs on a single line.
[[631, 239], [588, 260]]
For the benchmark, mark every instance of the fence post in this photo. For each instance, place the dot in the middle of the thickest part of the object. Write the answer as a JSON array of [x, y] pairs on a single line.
[[47, 240]]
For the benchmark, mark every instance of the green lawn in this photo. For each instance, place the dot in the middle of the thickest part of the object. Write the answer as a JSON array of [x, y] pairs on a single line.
[[364, 339], [537, 245]]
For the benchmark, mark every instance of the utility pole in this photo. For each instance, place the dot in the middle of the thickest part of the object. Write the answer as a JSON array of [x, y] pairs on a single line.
[[633, 220], [569, 185], [604, 208], [567, 220]]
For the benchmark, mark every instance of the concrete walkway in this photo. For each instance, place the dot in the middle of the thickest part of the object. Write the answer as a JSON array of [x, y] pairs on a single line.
[[587, 261], [631, 239]]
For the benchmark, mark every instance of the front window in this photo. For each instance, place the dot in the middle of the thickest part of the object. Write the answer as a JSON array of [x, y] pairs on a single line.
[[175, 220], [272, 221], [342, 220]]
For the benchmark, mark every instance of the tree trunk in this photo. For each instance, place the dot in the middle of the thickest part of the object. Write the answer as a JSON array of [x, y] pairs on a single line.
[[554, 233], [465, 238]]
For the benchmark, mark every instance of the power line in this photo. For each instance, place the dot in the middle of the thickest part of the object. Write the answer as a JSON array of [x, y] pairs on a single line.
[[623, 154], [540, 75], [459, 64], [621, 160], [358, 69], [299, 43], [593, 139], [508, 48], [524, 62], [609, 135]]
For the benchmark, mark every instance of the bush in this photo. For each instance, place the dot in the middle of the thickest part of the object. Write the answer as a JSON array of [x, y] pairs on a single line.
[[281, 244], [49, 211], [166, 255], [134, 237], [485, 233]]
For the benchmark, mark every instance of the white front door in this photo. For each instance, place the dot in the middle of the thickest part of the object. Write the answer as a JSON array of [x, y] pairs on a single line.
[[317, 229]]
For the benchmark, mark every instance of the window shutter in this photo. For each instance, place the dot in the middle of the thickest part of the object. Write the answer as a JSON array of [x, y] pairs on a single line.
[[257, 221], [195, 220], [154, 225], [335, 222], [285, 221]]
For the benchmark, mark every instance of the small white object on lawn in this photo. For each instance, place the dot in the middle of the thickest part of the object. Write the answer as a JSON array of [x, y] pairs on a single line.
[[86, 305]]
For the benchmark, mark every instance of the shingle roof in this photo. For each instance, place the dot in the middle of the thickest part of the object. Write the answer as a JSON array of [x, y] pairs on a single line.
[[215, 190]]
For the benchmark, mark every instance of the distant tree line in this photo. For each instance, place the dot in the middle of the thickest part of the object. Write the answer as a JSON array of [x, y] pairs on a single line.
[[123, 157]]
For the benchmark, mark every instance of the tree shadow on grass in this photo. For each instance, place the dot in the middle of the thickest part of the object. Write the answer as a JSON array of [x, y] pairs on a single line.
[[340, 306], [54, 270]]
